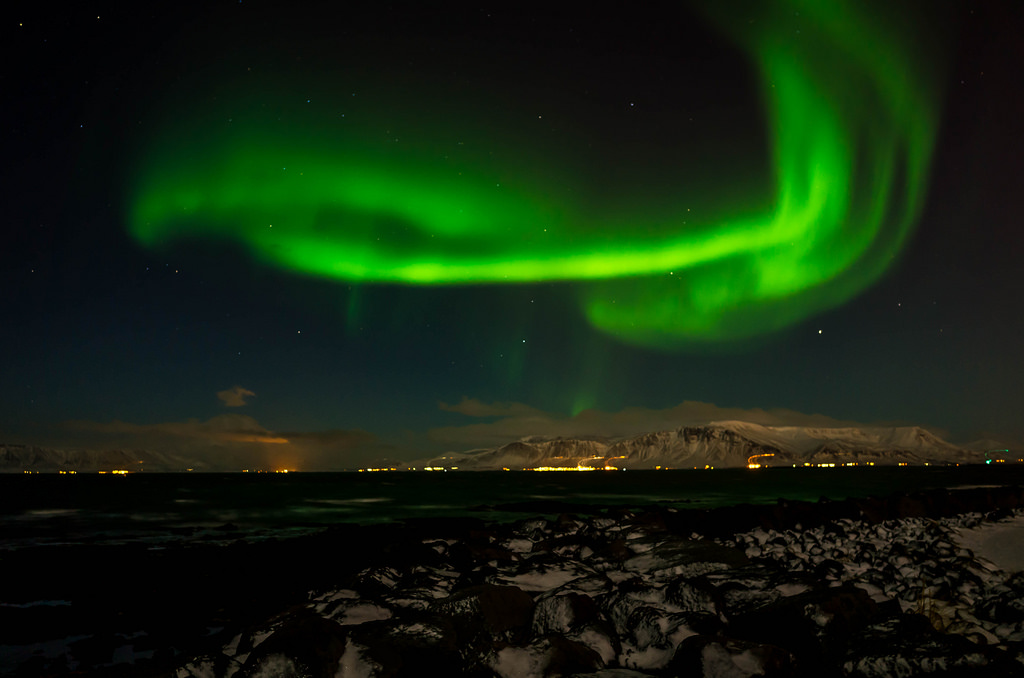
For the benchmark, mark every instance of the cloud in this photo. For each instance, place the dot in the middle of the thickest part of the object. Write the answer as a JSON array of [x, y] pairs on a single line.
[[518, 421], [235, 396], [222, 427], [471, 407], [233, 441]]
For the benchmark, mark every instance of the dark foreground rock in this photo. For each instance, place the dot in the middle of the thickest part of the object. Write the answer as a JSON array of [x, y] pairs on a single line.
[[855, 588]]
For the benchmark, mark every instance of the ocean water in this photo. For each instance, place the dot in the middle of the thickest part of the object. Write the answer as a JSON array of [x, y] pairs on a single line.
[[160, 509]]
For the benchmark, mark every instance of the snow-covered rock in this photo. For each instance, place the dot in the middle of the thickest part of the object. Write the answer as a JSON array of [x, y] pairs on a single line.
[[846, 597]]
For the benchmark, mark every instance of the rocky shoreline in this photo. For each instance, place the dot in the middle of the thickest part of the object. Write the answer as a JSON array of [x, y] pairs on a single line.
[[638, 594], [860, 587]]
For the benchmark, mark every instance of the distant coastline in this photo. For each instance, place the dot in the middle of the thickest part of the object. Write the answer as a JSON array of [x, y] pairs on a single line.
[[729, 444]]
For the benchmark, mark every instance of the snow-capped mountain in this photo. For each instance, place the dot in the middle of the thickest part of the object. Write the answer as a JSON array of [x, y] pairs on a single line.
[[725, 444], [19, 458]]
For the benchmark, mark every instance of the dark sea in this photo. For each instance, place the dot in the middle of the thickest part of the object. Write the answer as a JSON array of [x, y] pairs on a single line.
[[165, 509]]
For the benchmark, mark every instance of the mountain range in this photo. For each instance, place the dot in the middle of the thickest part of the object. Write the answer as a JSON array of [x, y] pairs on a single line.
[[20, 458], [726, 444]]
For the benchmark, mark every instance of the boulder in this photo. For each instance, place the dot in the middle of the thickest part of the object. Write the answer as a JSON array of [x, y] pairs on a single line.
[[907, 645], [402, 647], [552, 657], [565, 613], [668, 559], [304, 644], [487, 614], [736, 592], [813, 626], [719, 657], [542, 573], [614, 673]]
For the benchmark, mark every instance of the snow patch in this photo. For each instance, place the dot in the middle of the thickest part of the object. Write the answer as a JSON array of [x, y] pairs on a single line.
[[1000, 543]]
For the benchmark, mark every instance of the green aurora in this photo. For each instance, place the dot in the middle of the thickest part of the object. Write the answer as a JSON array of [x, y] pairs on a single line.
[[851, 119]]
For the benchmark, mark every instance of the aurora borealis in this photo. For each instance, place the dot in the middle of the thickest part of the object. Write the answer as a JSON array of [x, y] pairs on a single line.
[[852, 117], [400, 227]]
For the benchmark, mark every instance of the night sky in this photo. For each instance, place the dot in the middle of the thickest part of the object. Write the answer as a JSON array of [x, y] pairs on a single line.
[[330, 234]]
